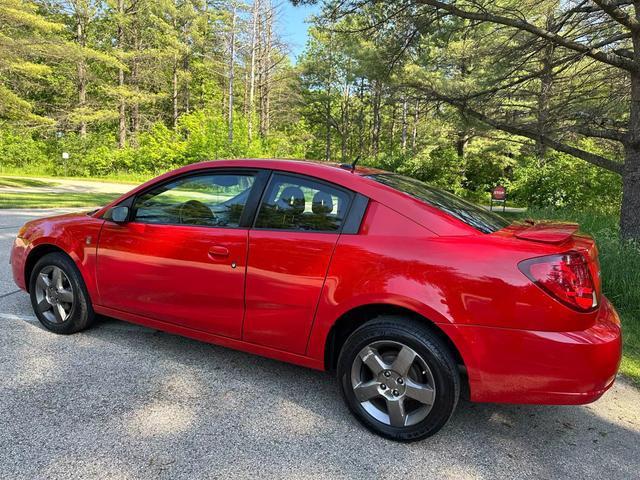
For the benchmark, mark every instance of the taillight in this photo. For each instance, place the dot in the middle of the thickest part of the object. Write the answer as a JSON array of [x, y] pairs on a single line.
[[566, 277]]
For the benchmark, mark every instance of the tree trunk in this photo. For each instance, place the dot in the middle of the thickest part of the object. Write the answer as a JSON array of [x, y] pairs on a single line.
[[361, 118], [344, 121], [232, 56], [375, 137], [252, 72], [327, 125], [135, 107], [394, 108], [404, 124], [174, 75], [546, 83], [82, 19], [461, 143], [174, 92], [265, 100], [630, 208], [122, 119], [414, 133]]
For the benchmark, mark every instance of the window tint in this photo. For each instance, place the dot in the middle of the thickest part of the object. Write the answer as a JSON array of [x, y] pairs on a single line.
[[471, 214], [215, 200], [294, 203]]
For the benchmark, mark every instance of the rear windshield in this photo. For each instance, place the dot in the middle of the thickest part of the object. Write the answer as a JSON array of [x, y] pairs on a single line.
[[471, 214]]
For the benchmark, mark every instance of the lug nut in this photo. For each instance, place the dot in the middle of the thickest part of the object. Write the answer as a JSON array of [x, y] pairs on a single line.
[[400, 381], [396, 393], [383, 386], [387, 373]]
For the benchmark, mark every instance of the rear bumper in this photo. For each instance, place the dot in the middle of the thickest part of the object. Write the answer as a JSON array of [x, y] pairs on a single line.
[[557, 368]]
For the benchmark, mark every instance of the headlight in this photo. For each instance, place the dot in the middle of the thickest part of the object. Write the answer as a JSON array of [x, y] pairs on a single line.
[[22, 231]]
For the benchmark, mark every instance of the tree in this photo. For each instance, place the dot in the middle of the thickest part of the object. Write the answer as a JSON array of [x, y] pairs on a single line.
[[562, 72], [27, 40]]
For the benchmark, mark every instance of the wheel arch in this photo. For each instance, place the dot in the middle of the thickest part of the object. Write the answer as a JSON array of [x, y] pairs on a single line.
[[36, 254], [348, 322]]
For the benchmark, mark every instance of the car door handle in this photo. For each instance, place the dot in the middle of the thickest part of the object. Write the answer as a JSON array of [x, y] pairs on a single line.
[[218, 251]]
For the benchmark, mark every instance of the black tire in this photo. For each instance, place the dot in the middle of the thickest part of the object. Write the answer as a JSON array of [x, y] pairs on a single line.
[[433, 352], [80, 314]]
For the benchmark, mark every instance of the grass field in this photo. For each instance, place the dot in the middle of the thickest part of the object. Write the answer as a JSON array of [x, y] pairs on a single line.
[[53, 200], [21, 182], [8, 174], [620, 264]]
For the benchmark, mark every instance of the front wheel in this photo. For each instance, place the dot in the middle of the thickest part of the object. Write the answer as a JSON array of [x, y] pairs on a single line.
[[398, 378], [59, 296]]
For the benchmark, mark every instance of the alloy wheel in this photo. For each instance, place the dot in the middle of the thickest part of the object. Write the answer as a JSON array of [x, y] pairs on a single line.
[[393, 383], [54, 294]]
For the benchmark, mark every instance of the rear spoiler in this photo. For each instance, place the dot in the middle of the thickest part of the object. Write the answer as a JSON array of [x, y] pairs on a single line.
[[548, 232]]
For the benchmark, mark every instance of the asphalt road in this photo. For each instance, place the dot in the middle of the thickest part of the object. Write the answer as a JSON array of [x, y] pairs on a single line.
[[120, 401]]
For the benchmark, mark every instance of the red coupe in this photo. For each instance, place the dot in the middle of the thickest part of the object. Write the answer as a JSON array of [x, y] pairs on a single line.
[[410, 294]]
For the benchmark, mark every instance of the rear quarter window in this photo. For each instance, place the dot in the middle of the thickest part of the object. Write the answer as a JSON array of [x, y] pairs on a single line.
[[465, 211]]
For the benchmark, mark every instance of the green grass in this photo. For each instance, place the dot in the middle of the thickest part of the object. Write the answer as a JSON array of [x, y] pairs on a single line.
[[53, 200], [119, 177], [19, 182], [620, 264]]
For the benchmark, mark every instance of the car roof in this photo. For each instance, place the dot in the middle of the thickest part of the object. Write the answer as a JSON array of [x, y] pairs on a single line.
[[287, 163]]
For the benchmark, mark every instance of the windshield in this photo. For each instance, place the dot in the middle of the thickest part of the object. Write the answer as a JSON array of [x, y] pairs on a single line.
[[471, 214]]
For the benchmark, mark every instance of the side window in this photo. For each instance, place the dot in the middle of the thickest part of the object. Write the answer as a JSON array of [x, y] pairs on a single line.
[[294, 203], [214, 200]]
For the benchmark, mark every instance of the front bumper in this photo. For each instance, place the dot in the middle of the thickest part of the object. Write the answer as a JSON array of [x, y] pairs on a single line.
[[525, 366], [18, 258]]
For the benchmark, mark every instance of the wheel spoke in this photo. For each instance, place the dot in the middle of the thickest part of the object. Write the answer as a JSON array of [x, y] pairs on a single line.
[[366, 391], [43, 305], [420, 392], [56, 276], [403, 361], [65, 296], [43, 281], [372, 360], [397, 415], [59, 312]]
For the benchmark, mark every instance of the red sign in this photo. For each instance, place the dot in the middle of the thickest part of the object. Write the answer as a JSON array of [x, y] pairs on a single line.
[[498, 193]]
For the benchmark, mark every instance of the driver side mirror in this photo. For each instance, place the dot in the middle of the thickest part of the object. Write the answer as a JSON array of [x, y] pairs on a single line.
[[118, 214]]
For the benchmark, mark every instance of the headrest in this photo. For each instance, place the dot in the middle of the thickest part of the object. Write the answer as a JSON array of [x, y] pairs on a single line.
[[322, 203], [291, 200]]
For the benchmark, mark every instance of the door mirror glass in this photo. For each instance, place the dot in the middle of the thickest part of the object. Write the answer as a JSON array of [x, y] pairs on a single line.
[[118, 214]]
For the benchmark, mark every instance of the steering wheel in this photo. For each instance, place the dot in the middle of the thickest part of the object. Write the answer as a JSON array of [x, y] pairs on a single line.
[[193, 212]]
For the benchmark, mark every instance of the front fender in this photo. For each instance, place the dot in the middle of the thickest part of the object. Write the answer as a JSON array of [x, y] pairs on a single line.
[[76, 235]]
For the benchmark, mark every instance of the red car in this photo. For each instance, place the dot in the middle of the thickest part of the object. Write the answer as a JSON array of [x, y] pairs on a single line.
[[411, 295]]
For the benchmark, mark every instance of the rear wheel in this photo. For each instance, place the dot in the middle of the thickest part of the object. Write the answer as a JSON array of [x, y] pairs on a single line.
[[59, 296], [398, 378]]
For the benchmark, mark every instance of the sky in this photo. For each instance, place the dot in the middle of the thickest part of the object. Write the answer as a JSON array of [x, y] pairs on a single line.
[[294, 28]]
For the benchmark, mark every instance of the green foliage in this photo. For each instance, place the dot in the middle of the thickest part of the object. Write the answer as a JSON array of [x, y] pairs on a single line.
[[564, 181], [18, 149], [439, 166], [200, 135]]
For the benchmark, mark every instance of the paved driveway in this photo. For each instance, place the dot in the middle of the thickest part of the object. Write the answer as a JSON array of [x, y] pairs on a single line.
[[120, 401]]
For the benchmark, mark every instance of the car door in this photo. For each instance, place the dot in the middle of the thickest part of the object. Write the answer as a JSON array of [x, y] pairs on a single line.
[[290, 247], [181, 257]]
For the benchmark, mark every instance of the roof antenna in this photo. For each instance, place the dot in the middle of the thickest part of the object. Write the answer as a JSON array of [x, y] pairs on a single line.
[[350, 166]]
